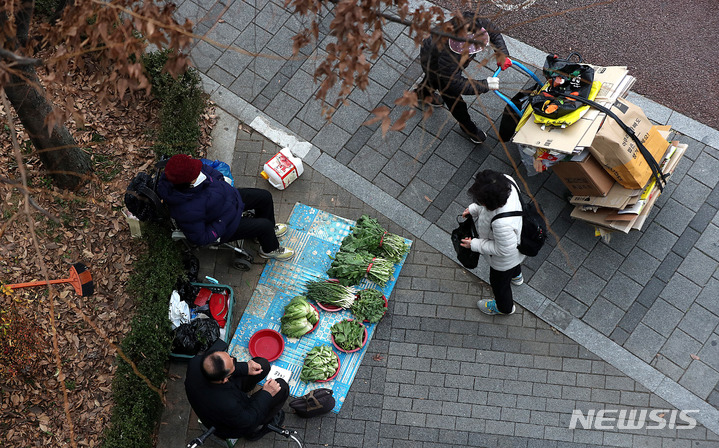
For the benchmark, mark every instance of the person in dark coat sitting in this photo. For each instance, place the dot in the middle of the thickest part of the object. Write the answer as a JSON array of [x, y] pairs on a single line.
[[218, 387], [209, 210], [444, 60]]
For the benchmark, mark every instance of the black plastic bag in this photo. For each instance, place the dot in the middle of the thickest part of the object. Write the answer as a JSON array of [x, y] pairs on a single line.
[[195, 337], [510, 118], [187, 291], [192, 266], [465, 229]]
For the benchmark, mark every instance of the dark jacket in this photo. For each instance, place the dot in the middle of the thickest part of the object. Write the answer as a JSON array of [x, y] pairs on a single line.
[[441, 64], [206, 212], [225, 406]]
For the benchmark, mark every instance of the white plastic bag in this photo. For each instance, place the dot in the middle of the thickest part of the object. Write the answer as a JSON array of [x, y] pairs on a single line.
[[179, 310]]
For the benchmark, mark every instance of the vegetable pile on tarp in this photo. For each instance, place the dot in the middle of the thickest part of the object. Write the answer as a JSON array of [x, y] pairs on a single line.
[[351, 267], [369, 305], [320, 363], [299, 318], [368, 235], [348, 334], [331, 293]]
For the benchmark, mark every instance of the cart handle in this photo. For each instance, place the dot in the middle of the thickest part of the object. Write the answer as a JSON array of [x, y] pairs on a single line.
[[504, 97], [523, 68]]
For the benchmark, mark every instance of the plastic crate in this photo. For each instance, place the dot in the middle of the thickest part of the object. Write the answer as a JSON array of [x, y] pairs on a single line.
[[214, 287]]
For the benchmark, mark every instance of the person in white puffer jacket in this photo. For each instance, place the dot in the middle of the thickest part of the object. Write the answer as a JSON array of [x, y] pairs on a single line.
[[493, 193]]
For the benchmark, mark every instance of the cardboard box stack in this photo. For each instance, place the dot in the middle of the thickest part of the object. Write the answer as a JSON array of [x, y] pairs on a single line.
[[624, 209], [599, 163]]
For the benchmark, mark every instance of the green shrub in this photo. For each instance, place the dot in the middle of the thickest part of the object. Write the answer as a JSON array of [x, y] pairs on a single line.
[[183, 101], [137, 407]]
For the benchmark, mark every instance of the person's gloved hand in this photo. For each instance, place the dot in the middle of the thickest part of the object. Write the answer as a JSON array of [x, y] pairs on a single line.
[[493, 83], [505, 64]]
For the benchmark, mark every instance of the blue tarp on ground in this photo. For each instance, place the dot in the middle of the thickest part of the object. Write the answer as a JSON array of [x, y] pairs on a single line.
[[315, 236]]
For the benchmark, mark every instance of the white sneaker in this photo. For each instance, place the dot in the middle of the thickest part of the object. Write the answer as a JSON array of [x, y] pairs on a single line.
[[489, 306], [279, 254], [280, 229], [518, 280]]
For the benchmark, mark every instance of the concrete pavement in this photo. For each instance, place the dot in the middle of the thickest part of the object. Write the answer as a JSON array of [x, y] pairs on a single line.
[[625, 324]]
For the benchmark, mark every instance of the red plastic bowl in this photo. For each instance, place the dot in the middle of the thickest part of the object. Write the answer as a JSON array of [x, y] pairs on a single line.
[[339, 365], [267, 343], [318, 320], [364, 341], [329, 308]]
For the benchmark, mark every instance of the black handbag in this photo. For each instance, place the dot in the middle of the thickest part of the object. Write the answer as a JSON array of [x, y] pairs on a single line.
[[316, 402], [465, 229]]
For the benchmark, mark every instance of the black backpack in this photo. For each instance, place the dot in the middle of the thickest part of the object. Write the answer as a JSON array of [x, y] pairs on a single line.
[[142, 200], [534, 229], [568, 79]]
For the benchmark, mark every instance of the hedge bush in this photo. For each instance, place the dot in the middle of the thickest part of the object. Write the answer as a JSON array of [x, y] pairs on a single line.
[[183, 101], [138, 408]]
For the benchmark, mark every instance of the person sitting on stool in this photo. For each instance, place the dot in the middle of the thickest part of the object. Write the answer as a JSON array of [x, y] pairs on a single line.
[[444, 60], [217, 388], [209, 210]]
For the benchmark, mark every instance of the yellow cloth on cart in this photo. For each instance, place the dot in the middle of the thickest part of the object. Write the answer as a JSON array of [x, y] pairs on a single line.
[[566, 120]]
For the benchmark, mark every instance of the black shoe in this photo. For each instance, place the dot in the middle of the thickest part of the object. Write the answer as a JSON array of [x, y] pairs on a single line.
[[278, 419], [478, 138], [435, 101]]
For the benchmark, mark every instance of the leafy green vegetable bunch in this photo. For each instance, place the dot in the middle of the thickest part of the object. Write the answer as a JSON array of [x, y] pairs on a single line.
[[370, 236], [331, 293], [320, 363], [299, 318], [351, 267], [369, 306], [348, 334]]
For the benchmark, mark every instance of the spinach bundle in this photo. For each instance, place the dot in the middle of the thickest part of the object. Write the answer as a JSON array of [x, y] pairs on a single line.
[[348, 334], [320, 363], [299, 318], [331, 293], [369, 305], [370, 236], [351, 267]]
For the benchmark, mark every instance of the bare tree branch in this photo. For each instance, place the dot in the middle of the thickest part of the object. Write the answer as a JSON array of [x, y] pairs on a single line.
[[19, 60]]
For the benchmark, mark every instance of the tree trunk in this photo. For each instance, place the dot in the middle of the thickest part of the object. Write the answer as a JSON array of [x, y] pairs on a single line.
[[64, 161]]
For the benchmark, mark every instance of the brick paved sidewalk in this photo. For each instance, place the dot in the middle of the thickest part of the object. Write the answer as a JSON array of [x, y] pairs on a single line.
[[437, 370]]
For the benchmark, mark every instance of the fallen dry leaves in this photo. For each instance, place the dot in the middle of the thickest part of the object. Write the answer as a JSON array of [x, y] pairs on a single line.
[[91, 229]]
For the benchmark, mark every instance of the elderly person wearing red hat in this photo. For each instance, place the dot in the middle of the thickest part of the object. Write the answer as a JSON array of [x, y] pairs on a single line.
[[443, 62], [209, 210]]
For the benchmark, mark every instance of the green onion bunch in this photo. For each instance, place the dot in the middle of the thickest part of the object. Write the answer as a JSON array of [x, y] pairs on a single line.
[[331, 293]]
